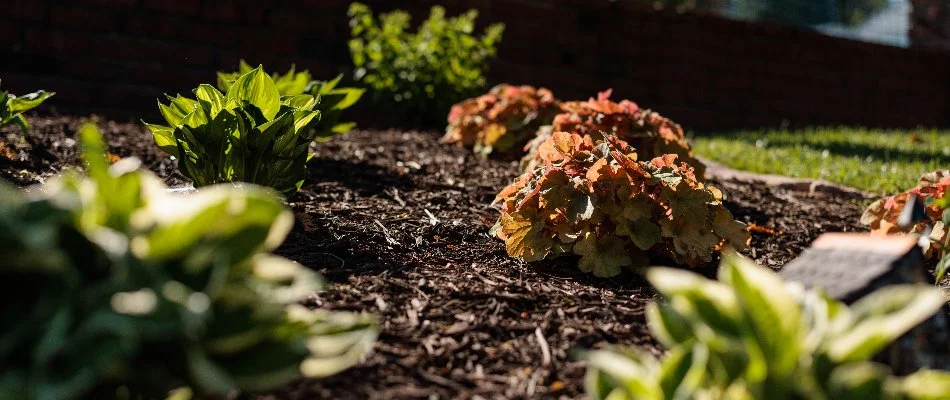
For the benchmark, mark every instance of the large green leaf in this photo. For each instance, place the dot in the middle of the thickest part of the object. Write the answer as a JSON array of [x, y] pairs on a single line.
[[771, 313], [29, 101], [668, 326], [258, 89], [924, 385], [880, 318], [349, 97], [243, 217], [336, 341], [861, 380], [683, 371], [713, 303], [164, 137], [211, 99], [622, 375]]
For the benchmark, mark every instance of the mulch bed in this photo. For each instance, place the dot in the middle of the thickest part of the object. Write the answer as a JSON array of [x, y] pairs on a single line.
[[399, 225]]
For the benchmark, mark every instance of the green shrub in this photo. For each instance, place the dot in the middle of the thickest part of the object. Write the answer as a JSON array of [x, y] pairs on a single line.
[[421, 74], [249, 134], [12, 107], [751, 336], [113, 285], [331, 100]]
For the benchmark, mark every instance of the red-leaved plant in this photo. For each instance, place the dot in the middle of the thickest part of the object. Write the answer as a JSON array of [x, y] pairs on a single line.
[[501, 121], [882, 215], [598, 201], [651, 134]]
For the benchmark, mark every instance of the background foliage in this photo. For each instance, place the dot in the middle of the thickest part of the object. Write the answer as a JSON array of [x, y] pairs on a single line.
[[419, 75]]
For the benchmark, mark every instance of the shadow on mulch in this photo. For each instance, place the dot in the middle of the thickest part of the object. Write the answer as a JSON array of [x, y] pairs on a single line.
[[364, 178]]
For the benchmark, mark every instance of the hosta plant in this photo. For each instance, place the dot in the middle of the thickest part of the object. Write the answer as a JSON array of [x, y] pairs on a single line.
[[331, 99], [249, 134], [419, 75], [651, 134], [882, 215], [599, 202], [114, 287], [12, 107], [751, 336], [501, 121]]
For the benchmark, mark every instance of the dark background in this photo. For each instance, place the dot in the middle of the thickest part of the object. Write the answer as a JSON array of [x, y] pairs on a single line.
[[115, 57]]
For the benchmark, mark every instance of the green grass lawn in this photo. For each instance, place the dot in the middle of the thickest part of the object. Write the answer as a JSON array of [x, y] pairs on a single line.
[[877, 161]]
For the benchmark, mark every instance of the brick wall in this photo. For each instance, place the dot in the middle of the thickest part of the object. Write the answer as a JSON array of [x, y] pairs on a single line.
[[116, 56]]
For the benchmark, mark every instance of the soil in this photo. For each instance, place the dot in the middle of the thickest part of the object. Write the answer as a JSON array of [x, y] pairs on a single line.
[[398, 223]]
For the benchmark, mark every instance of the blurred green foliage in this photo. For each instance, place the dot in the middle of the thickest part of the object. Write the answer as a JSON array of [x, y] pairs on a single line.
[[420, 75], [750, 335], [113, 287]]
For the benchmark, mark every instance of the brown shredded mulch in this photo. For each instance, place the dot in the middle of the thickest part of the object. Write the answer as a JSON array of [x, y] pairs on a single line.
[[399, 225]]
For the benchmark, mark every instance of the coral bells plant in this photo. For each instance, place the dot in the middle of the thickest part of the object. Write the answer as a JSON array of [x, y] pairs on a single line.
[[882, 215], [501, 121], [651, 134], [599, 202]]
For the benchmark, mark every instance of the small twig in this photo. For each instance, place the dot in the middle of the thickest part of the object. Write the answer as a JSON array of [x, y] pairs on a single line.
[[385, 232], [432, 219], [395, 194], [545, 349]]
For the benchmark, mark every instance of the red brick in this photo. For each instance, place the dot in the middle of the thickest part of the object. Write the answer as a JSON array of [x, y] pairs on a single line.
[[67, 90], [171, 79], [82, 18], [10, 33], [111, 3], [138, 95], [257, 39], [55, 41], [176, 7], [144, 50], [28, 10], [221, 11]]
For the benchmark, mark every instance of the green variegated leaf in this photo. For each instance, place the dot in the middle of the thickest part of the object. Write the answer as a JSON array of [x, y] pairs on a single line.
[[923, 385], [258, 89], [164, 137], [28, 102], [713, 303], [350, 96], [342, 128], [682, 372], [772, 313], [879, 318], [861, 380], [211, 99], [669, 327], [622, 375]]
